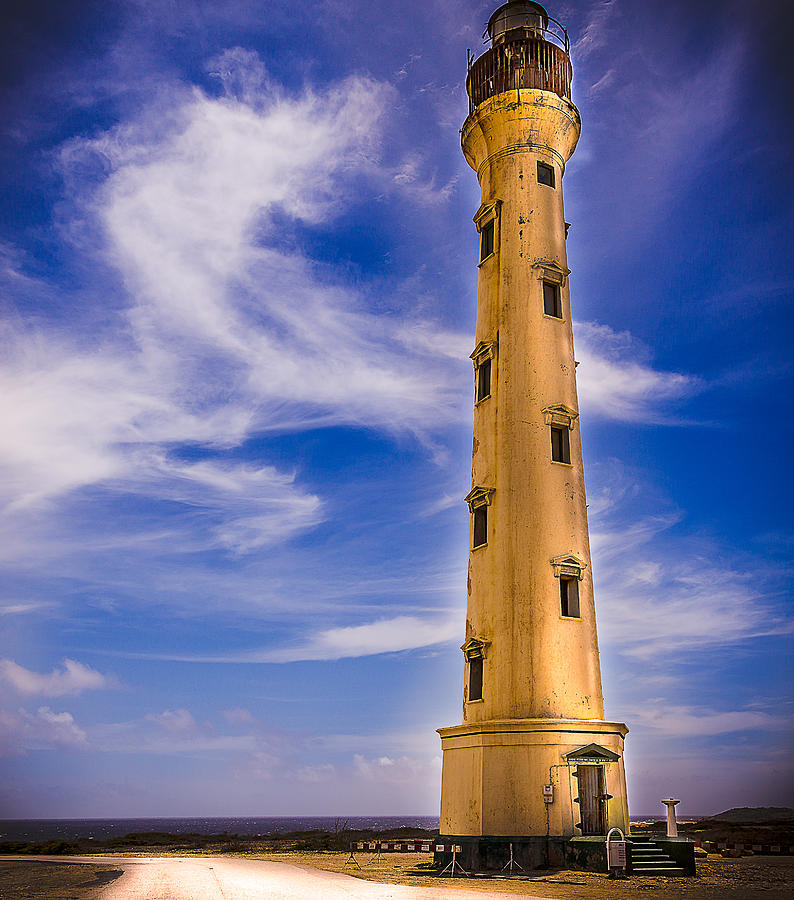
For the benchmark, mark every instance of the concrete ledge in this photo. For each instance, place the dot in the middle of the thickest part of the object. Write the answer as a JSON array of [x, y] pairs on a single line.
[[505, 728]]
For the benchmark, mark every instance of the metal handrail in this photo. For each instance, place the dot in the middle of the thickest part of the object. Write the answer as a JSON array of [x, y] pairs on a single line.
[[554, 31]]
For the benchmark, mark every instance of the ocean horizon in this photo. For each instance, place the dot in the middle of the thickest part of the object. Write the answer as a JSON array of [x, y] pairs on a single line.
[[101, 829]]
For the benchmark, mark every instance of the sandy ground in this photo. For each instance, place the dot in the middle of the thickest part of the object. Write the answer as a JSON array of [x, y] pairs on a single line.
[[324, 876], [207, 878], [748, 878]]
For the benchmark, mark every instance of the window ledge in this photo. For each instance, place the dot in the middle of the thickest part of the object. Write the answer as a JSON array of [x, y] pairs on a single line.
[[486, 258], [480, 546], [571, 618], [481, 700], [554, 318], [558, 462], [482, 400]]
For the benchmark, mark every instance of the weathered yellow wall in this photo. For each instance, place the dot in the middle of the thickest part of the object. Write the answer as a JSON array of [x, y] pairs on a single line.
[[494, 772], [542, 683], [538, 508]]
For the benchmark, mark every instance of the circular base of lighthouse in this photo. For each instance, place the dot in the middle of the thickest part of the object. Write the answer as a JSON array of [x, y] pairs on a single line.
[[532, 779], [493, 853]]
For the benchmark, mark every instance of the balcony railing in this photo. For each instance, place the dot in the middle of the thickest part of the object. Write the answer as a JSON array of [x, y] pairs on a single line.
[[505, 24], [525, 62]]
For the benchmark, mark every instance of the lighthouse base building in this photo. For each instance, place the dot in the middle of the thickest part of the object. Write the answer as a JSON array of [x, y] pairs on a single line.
[[551, 788]]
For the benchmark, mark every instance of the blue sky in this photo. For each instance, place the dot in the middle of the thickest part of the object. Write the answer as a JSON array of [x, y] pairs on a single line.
[[237, 271]]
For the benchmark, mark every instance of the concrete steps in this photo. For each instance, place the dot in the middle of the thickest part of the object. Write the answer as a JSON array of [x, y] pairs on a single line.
[[648, 858]]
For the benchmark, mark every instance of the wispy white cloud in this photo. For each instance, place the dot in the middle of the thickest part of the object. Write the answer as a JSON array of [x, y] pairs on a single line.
[[225, 333], [615, 380], [411, 177], [386, 635], [238, 716], [18, 609], [596, 31], [43, 730], [446, 501], [661, 595], [670, 603], [690, 721], [641, 130], [402, 72], [72, 678], [420, 740], [175, 721], [170, 732], [383, 636], [605, 81], [396, 769], [316, 774]]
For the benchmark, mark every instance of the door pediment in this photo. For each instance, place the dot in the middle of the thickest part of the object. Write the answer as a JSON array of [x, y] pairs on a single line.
[[594, 754]]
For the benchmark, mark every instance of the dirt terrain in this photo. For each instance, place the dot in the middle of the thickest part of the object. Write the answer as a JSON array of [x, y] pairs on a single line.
[[751, 877], [34, 880], [748, 878]]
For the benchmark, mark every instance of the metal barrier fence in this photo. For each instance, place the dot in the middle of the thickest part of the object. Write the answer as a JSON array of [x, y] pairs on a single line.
[[416, 845], [409, 846]]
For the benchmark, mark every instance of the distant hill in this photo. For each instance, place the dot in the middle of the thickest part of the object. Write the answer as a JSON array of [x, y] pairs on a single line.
[[755, 814]]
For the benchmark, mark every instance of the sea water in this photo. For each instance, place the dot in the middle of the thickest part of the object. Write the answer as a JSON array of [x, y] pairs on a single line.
[[102, 829]]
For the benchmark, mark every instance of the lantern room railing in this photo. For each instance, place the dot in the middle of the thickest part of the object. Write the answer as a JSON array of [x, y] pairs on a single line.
[[529, 49], [523, 62]]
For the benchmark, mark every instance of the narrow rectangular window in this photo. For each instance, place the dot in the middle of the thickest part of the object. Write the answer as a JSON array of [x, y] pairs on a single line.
[[484, 380], [560, 445], [551, 299], [480, 526], [475, 679], [569, 597], [545, 174], [486, 240]]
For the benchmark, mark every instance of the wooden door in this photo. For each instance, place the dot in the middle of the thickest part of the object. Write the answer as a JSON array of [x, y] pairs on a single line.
[[592, 799]]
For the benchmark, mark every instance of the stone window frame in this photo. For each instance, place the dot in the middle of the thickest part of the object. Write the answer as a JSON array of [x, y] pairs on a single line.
[[558, 415], [476, 498], [475, 649], [485, 350], [569, 566], [549, 270], [488, 212]]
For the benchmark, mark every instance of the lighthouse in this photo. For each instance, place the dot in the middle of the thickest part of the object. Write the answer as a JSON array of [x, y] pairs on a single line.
[[534, 773]]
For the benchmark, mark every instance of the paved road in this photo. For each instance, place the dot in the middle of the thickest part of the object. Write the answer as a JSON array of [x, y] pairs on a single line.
[[227, 878]]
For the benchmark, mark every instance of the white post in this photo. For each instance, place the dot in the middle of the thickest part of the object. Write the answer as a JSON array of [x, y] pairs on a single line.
[[672, 826]]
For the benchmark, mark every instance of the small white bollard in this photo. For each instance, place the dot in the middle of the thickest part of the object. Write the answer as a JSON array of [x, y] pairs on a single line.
[[672, 825]]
